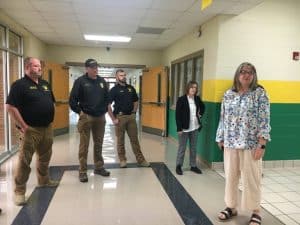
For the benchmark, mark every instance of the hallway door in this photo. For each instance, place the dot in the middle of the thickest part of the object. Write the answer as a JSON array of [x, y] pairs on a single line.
[[154, 99], [58, 77]]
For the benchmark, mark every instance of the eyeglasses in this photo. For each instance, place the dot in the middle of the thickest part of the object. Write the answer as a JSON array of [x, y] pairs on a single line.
[[244, 72]]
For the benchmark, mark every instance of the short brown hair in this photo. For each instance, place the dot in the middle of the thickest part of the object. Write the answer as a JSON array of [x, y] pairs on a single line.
[[119, 71], [189, 85], [27, 61]]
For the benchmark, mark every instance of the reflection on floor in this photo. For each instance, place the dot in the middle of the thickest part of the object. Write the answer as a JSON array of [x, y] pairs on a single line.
[[154, 195]]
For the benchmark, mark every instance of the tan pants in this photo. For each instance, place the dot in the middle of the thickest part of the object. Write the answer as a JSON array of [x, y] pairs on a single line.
[[241, 164], [85, 125], [39, 140], [128, 123]]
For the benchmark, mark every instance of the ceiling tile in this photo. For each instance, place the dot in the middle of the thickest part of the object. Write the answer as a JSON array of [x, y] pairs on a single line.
[[52, 6], [65, 21], [174, 5], [15, 4]]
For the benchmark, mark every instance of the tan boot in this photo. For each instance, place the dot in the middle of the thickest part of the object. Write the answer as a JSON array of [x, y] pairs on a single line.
[[51, 183], [20, 199], [123, 164], [144, 164]]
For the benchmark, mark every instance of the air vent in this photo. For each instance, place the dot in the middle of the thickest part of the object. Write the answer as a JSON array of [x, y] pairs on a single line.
[[150, 30]]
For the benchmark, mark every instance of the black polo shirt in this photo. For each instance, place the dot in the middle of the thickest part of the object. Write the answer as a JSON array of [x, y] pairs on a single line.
[[34, 101], [124, 97]]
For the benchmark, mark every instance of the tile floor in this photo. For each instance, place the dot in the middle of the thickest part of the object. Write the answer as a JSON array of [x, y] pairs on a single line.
[[281, 193], [130, 196]]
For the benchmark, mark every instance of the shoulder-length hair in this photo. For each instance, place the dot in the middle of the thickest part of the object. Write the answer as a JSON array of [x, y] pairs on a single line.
[[189, 85], [236, 83]]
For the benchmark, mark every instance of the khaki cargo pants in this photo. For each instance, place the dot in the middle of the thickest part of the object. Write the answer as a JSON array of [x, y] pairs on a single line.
[[85, 125], [128, 123], [39, 140]]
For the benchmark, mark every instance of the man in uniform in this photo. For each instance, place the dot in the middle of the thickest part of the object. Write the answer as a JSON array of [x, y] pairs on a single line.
[[89, 98], [125, 106], [31, 104]]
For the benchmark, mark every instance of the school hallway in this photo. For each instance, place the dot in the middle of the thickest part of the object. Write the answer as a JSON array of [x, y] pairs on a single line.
[[133, 195]]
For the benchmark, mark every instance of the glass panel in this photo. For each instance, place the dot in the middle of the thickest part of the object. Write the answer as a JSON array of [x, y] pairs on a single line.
[[190, 70], [14, 74], [182, 80], [14, 42], [2, 36], [2, 112], [175, 91], [14, 67], [199, 72]]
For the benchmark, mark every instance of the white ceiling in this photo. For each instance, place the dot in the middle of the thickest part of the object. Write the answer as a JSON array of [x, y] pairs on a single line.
[[64, 22]]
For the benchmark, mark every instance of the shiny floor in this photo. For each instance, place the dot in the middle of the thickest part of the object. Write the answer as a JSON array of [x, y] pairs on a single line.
[[137, 196]]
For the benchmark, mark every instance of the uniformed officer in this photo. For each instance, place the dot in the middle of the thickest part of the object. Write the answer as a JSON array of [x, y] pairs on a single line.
[[31, 104], [89, 98], [125, 106]]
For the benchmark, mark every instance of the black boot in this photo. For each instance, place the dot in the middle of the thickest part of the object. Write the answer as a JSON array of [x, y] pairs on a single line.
[[179, 170], [196, 169]]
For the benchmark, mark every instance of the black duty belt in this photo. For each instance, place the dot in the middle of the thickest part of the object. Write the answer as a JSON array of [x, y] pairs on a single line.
[[123, 113]]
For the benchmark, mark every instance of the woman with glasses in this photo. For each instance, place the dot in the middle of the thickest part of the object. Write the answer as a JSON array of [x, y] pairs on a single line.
[[189, 110], [243, 132]]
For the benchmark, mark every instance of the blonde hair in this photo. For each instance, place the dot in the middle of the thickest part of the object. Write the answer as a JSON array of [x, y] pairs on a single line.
[[236, 82]]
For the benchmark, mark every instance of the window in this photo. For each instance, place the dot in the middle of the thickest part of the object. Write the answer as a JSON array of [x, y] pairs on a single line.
[[11, 57], [14, 43], [2, 110], [174, 83], [2, 37], [184, 70]]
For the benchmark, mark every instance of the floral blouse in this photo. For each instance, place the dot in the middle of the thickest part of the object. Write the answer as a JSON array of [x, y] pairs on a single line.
[[244, 118]]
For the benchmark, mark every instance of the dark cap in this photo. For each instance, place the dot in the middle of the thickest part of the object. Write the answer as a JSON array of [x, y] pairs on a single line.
[[91, 63]]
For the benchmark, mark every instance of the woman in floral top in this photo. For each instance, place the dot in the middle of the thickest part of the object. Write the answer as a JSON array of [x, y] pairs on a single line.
[[243, 131]]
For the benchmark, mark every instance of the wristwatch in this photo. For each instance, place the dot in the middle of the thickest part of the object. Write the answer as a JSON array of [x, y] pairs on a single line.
[[261, 146]]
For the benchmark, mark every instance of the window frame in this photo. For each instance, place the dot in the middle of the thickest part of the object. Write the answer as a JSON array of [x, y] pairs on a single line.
[[177, 82]]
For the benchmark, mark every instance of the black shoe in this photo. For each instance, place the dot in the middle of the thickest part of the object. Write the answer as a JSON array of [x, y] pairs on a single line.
[[179, 170], [102, 172], [196, 169], [83, 177]]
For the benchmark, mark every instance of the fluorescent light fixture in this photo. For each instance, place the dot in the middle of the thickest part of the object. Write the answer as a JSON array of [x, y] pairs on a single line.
[[106, 38]]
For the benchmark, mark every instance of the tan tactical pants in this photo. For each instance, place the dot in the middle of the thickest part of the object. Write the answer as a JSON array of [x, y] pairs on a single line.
[[39, 140], [128, 123], [85, 125]]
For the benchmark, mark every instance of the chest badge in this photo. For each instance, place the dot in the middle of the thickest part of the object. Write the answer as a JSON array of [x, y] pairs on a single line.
[[101, 85], [129, 89], [45, 87], [32, 87]]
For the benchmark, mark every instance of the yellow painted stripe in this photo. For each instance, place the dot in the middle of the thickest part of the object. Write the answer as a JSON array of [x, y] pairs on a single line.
[[205, 4], [278, 91]]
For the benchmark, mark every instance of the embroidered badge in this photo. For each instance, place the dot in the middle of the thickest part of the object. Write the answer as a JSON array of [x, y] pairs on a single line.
[[129, 90], [32, 87], [45, 87]]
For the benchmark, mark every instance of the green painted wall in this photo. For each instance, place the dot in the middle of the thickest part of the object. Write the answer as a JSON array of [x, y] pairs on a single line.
[[285, 133]]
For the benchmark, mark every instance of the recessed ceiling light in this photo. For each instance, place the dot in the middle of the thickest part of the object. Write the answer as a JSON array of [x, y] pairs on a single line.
[[106, 38]]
